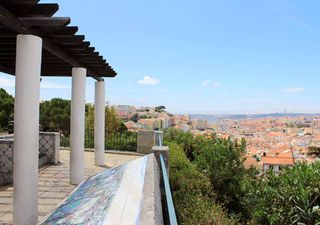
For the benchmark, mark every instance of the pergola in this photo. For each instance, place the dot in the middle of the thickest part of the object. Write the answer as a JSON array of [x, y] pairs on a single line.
[[33, 43]]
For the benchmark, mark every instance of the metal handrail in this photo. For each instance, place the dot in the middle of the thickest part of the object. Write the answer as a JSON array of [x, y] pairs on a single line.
[[170, 207], [159, 140]]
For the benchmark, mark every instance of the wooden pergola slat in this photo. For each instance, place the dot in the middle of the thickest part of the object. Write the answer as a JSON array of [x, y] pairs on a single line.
[[46, 21], [32, 10]]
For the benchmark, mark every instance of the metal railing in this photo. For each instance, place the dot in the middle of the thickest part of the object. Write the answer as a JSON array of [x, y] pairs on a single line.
[[159, 138], [123, 141], [169, 212]]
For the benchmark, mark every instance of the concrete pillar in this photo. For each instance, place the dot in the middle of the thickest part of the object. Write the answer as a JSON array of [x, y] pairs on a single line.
[[99, 123], [26, 129], [78, 102], [146, 140]]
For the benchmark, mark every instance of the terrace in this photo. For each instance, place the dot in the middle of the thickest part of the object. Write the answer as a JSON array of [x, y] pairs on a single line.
[[54, 185]]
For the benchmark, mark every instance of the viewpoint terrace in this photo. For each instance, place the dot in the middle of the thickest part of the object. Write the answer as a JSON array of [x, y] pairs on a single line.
[[34, 43]]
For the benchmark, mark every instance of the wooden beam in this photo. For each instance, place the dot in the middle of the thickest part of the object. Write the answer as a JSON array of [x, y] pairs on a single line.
[[61, 31], [46, 21], [22, 1], [8, 40], [7, 33], [78, 50], [32, 10], [6, 69], [69, 40]]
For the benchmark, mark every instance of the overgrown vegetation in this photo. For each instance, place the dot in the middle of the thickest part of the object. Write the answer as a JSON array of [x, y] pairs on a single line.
[[292, 197], [193, 197]]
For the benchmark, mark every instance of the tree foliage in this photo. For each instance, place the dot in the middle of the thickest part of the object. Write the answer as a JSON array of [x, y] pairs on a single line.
[[160, 108], [55, 115], [314, 151], [6, 109], [195, 201], [291, 197], [135, 117], [113, 122]]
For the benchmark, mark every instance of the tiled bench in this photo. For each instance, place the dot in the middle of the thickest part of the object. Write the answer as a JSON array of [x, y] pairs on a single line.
[[126, 195]]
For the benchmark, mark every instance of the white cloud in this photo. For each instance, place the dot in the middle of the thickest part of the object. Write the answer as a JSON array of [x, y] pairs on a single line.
[[148, 81], [294, 90], [208, 83]]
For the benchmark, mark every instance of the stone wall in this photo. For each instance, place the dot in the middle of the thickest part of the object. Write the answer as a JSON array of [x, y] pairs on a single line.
[[6, 163], [147, 139], [49, 146], [151, 205]]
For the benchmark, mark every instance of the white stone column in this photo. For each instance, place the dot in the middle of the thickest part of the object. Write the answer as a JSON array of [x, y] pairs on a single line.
[[78, 102], [99, 123], [26, 129]]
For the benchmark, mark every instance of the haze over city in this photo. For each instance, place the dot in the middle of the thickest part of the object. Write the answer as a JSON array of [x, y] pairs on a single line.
[[201, 57]]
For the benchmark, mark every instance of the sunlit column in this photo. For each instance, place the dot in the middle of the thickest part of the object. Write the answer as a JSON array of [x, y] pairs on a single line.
[[26, 129], [99, 123], [78, 102]]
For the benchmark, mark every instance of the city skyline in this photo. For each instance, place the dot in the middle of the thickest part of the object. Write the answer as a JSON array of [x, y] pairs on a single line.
[[208, 57]]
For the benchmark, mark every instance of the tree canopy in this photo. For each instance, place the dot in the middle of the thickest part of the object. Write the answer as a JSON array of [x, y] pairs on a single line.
[[6, 109], [55, 115]]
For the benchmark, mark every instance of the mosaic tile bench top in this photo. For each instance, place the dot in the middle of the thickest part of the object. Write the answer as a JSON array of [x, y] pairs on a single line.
[[112, 197]]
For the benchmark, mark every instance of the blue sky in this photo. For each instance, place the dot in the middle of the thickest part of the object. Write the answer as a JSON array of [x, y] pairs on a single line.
[[206, 56]]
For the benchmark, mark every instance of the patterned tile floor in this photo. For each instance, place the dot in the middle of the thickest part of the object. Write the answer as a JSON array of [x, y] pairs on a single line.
[[54, 183]]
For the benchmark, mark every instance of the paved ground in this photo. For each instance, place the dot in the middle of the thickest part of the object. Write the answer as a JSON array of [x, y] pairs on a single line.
[[54, 183]]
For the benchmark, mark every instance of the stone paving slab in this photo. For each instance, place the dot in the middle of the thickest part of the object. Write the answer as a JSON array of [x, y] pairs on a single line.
[[53, 184]]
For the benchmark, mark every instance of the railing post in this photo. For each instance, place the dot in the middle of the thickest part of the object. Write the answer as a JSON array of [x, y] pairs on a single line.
[[164, 151], [147, 139]]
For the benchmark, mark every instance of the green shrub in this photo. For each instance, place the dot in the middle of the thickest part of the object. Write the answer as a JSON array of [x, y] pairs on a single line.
[[207, 171], [293, 197], [222, 161], [184, 139], [193, 196]]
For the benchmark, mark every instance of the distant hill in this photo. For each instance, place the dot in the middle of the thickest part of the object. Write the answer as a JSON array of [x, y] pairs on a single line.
[[215, 117]]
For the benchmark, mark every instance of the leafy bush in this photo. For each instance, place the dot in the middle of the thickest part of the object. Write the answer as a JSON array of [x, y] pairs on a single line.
[[211, 170], [192, 193], [222, 161], [185, 140], [293, 197], [55, 116]]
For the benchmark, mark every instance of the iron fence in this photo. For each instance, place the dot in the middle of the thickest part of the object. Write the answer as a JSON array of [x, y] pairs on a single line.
[[122, 141]]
